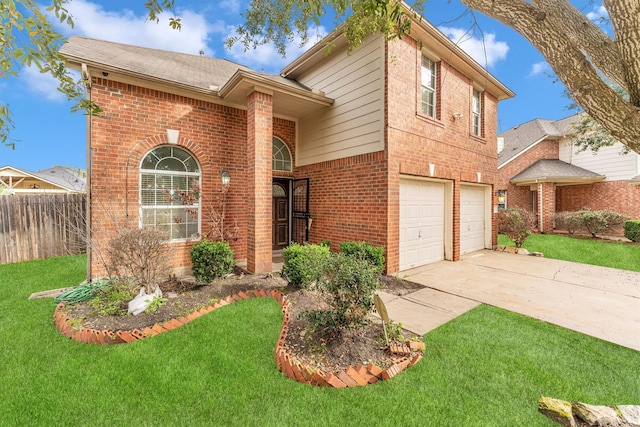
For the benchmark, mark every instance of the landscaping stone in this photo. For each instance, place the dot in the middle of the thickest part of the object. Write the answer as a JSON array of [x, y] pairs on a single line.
[[584, 415]]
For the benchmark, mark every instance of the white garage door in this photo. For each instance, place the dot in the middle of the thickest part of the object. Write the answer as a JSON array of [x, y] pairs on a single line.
[[472, 218], [421, 223]]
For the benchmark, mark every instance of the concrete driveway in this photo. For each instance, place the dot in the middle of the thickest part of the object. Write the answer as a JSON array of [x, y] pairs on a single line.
[[598, 301]]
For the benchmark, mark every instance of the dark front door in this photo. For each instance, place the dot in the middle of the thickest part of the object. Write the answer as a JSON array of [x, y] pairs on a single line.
[[280, 209]]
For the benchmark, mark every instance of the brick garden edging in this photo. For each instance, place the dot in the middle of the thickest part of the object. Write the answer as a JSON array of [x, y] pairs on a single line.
[[285, 361]]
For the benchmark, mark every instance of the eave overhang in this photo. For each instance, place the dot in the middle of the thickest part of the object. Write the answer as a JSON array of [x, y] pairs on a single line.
[[558, 180]]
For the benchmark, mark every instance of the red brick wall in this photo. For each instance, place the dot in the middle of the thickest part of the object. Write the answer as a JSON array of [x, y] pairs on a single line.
[[617, 196], [415, 141], [348, 199], [521, 196], [135, 121]]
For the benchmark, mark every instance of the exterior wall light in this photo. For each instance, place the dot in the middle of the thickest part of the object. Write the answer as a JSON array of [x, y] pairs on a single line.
[[226, 178]]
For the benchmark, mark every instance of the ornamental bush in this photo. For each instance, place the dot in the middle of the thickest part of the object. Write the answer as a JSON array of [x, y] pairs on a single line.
[[365, 251], [304, 264], [597, 221], [211, 260], [569, 221], [351, 284], [632, 230], [516, 223]]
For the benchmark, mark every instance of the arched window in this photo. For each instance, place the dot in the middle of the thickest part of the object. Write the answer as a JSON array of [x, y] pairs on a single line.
[[281, 156], [170, 191]]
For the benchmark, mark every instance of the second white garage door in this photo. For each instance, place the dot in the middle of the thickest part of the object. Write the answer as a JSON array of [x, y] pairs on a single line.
[[422, 223], [472, 218]]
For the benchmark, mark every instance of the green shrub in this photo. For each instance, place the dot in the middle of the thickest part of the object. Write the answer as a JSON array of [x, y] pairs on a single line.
[[365, 251], [304, 264], [113, 299], [569, 221], [632, 230], [597, 221], [351, 282], [516, 223], [211, 260]]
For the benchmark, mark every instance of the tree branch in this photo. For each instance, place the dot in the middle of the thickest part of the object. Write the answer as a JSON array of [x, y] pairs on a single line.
[[625, 18], [586, 36], [620, 118]]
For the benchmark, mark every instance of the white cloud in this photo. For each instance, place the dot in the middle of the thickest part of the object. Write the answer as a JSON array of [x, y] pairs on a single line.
[[266, 57], [91, 20], [230, 6], [598, 14], [487, 50], [541, 67], [41, 83]]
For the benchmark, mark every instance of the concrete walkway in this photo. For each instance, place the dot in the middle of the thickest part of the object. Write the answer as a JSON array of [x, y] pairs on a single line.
[[597, 301]]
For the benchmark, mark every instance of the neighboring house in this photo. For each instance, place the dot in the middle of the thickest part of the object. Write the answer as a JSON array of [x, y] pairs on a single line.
[[46, 181], [394, 144], [540, 169]]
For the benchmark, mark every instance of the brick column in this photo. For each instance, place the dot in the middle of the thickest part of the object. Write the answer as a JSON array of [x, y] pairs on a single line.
[[546, 206], [259, 177]]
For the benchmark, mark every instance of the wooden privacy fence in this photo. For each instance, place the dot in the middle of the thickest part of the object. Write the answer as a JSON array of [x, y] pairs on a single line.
[[41, 226]]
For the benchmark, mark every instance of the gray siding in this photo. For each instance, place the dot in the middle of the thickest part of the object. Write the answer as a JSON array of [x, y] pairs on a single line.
[[608, 161]]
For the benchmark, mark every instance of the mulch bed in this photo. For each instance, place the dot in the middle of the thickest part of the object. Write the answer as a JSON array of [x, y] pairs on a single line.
[[315, 350]]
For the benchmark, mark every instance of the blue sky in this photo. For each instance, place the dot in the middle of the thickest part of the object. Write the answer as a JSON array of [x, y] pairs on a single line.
[[48, 134]]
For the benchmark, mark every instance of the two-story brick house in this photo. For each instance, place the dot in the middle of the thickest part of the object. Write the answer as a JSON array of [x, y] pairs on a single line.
[[541, 169], [394, 144]]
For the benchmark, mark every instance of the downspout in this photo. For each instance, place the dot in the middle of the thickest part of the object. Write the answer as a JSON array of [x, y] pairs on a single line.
[[87, 86]]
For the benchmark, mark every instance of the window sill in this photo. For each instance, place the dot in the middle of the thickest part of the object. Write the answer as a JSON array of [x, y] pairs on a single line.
[[477, 138], [429, 119]]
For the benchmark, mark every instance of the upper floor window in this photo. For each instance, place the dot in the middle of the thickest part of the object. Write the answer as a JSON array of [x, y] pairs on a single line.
[[476, 113], [429, 87], [281, 156], [170, 192]]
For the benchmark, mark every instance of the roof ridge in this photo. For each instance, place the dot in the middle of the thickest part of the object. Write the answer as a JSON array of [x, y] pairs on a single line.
[[163, 51]]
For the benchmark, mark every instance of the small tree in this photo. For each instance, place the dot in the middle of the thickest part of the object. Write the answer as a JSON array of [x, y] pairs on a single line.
[[214, 213], [351, 283], [140, 254], [516, 223]]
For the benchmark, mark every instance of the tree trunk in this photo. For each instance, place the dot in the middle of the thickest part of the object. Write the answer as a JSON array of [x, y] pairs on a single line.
[[573, 47]]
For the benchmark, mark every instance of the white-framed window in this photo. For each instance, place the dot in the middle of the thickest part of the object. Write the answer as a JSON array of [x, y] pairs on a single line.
[[170, 192], [502, 200], [428, 82], [281, 156], [476, 113]]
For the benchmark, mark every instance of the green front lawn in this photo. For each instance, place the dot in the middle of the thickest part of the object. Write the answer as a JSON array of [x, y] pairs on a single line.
[[606, 253], [485, 368]]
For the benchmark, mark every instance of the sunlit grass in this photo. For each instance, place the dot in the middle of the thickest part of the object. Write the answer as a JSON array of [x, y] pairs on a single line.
[[485, 368], [606, 253]]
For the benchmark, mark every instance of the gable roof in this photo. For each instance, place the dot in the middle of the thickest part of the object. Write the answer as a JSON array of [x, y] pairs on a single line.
[[421, 29], [60, 178], [522, 138], [210, 78], [66, 178], [553, 170], [191, 70]]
